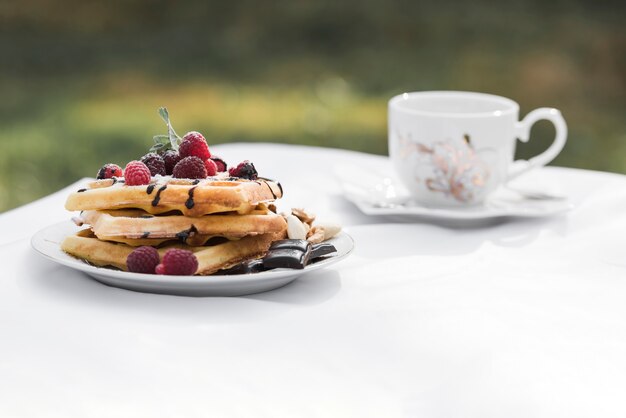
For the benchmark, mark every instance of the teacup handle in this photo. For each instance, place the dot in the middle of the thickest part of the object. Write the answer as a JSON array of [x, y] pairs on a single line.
[[523, 133]]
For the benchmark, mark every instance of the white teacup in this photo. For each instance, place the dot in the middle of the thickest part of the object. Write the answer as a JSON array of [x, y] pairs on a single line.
[[453, 148]]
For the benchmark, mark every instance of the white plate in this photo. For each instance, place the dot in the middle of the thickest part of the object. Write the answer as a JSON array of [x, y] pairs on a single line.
[[379, 192], [47, 242]]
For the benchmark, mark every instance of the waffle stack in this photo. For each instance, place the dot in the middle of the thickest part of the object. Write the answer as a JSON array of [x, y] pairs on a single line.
[[223, 221]]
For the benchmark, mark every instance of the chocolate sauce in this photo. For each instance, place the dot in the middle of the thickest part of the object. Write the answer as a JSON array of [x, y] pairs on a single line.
[[158, 195], [190, 203], [183, 235], [150, 188], [81, 190]]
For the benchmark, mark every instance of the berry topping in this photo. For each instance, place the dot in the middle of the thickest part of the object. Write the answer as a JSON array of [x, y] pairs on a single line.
[[143, 260], [155, 163], [171, 158], [211, 167], [136, 174], [178, 262], [221, 164], [190, 168], [194, 144], [194, 135], [109, 170], [245, 170]]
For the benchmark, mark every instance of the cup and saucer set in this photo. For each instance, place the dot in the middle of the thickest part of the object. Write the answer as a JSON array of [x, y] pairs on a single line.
[[451, 156]]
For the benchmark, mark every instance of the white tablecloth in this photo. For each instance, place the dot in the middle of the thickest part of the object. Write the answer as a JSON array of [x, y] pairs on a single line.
[[518, 318]]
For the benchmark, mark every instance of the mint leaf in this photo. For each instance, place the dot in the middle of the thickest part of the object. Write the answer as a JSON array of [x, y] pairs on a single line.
[[164, 115], [161, 139], [171, 140], [158, 148]]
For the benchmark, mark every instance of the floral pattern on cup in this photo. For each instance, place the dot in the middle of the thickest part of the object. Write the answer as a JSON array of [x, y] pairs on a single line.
[[457, 170]]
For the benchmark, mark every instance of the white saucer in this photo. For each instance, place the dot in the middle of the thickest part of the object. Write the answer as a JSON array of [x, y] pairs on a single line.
[[47, 242], [379, 192]]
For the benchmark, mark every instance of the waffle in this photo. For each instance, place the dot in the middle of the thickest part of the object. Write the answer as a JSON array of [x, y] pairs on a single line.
[[135, 227], [165, 194], [86, 246]]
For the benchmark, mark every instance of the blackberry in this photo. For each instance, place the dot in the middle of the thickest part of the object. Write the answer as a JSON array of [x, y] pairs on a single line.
[[171, 158], [244, 170], [155, 163]]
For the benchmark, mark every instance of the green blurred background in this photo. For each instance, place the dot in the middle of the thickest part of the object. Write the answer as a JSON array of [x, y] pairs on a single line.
[[81, 81]]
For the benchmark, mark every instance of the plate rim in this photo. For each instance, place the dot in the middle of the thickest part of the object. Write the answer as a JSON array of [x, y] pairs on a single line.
[[452, 214]]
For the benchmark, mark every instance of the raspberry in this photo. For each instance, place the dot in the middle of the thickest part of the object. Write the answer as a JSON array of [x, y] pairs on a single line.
[[109, 170], [221, 164], [194, 135], [245, 170], [143, 260], [194, 144], [136, 174], [211, 167], [171, 159], [155, 163], [178, 262], [189, 168]]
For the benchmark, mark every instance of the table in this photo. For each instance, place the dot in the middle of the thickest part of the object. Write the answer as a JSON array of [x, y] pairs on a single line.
[[515, 318]]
